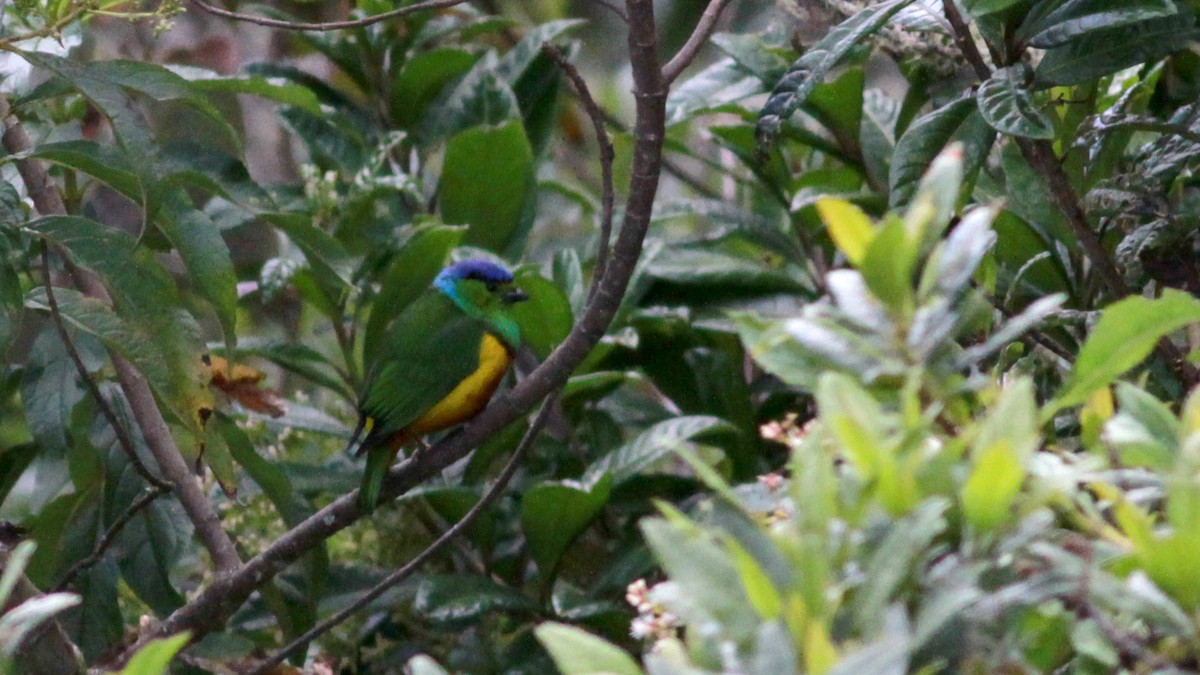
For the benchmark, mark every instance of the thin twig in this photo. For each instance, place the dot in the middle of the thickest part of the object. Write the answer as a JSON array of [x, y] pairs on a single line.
[[110, 535], [106, 410], [324, 25], [48, 202], [433, 549], [606, 160], [687, 53]]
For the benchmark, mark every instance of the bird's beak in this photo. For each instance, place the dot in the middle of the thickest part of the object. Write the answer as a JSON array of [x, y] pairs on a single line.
[[515, 295]]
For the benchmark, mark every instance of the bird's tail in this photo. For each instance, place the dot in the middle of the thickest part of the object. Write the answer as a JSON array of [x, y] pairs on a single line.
[[381, 452], [364, 424]]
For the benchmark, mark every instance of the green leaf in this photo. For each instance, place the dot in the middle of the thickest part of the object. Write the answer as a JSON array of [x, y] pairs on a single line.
[[105, 162], [1108, 50], [1007, 106], [653, 445], [487, 182], [705, 579], [20, 621], [808, 71], [146, 299], [712, 89], [204, 253], [109, 85], [50, 390], [115, 333], [1122, 338], [332, 142], [1078, 17], [271, 88], [545, 318], [480, 98], [517, 60], [154, 658], [422, 76], [577, 652], [455, 600], [925, 138], [554, 513], [894, 559]]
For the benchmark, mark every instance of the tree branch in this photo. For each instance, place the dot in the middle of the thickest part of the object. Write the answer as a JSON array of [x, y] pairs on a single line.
[[606, 160], [48, 202], [325, 25], [440, 543], [687, 53], [110, 535], [211, 608]]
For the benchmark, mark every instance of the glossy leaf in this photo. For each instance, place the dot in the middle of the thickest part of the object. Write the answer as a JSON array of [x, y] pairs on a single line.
[[1007, 106], [1108, 50], [653, 445], [545, 318], [156, 656], [925, 138], [487, 182], [1078, 17], [553, 514], [808, 71]]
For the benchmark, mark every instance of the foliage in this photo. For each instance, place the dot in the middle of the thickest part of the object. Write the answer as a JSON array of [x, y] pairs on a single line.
[[898, 382]]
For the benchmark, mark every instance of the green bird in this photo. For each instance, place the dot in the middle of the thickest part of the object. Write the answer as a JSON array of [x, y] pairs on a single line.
[[437, 365]]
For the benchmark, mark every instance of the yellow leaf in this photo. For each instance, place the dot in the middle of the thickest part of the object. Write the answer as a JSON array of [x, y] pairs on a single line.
[[819, 652], [849, 227]]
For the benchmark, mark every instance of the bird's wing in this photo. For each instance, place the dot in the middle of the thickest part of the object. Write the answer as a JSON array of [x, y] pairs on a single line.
[[427, 351]]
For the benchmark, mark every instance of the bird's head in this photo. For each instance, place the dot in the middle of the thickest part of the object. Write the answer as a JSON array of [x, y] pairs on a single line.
[[485, 290]]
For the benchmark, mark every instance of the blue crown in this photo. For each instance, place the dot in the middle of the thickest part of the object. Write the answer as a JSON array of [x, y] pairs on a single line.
[[474, 268]]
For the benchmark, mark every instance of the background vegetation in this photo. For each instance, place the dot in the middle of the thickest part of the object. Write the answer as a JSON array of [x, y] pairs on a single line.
[[861, 336]]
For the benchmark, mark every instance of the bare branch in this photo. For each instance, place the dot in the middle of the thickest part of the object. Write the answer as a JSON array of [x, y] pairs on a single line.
[[48, 202], [687, 53], [606, 160], [211, 608], [324, 25], [440, 543], [110, 535]]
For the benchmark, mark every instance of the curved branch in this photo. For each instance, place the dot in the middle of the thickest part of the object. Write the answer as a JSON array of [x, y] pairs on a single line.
[[259, 20], [606, 160], [212, 607], [687, 53], [411, 566]]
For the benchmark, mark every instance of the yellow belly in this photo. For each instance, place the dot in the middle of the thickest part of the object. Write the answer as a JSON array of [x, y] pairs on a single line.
[[470, 396]]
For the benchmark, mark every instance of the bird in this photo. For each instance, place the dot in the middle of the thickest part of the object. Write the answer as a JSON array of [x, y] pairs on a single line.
[[437, 364]]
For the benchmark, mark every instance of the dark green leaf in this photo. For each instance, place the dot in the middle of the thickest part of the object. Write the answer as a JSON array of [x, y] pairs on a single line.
[[926, 137], [1079, 17], [653, 445], [456, 600], [545, 318], [554, 513], [792, 90], [1108, 50], [1007, 106], [487, 182]]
